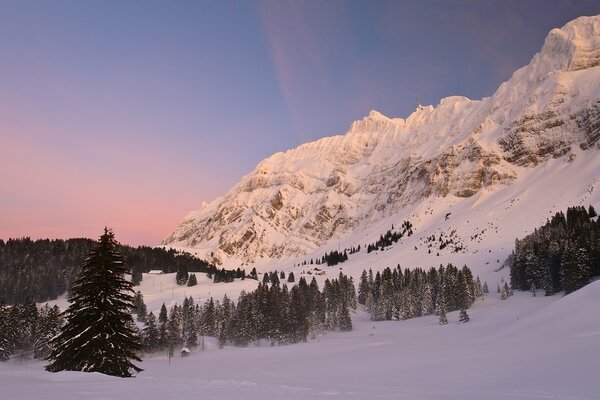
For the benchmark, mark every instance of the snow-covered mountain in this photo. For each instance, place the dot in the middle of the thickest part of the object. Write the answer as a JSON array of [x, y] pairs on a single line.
[[540, 128]]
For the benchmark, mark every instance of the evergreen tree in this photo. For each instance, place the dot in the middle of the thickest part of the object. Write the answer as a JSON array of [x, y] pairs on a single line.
[[253, 274], [190, 323], [174, 325], [575, 266], [182, 275], [207, 321], [222, 322], [49, 323], [504, 293], [151, 335], [363, 288], [427, 301], [443, 319], [26, 318], [140, 307], [99, 334], [163, 318], [7, 334], [344, 320], [192, 281], [547, 283], [463, 297], [291, 278], [463, 317]]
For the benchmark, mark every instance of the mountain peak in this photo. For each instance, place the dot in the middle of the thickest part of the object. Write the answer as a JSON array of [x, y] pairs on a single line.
[[573, 47], [374, 114]]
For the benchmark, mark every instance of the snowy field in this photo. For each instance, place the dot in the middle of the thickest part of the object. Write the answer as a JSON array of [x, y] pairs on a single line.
[[521, 348]]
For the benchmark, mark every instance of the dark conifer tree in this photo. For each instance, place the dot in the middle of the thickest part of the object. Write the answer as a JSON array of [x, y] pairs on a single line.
[[575, 267], [150, 334], [163, 318], [291, 278], [207, 321], [7, 334], [363, 288], [344, 320], [253, 274], [463, 317], [192, 281], [99, 334], [182, 275], [274, 278], [174, 325], [140, 307], [441, 308], [49, 323]]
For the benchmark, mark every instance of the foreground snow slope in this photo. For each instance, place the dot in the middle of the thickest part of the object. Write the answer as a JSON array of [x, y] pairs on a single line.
[[522, 348]]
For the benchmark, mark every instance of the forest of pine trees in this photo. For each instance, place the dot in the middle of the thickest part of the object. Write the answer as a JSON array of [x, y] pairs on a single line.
[[564, 254], [397, 294], [26, 330], [271, 313], [42, 270]]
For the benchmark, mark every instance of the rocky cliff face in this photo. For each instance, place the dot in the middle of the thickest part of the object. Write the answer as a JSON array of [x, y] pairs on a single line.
[[295, 201]]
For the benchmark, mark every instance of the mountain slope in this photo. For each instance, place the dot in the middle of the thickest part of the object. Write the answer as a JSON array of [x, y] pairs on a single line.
[[295, 202]]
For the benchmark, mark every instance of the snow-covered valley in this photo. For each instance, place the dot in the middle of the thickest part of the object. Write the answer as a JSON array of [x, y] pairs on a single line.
[[522, 348]]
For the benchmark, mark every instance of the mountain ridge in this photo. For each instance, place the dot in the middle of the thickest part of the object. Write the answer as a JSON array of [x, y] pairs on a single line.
[[296, 201]]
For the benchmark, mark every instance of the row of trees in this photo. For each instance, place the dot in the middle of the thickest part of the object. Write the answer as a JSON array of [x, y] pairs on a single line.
[[564, 254], [26, 330], [42, 270], [272, 313], [397, 294], [335, 257], [391, 236]]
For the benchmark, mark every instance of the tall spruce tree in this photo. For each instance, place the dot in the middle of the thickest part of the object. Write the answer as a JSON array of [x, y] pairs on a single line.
[[151, 334], [7, 334], [99, 334]]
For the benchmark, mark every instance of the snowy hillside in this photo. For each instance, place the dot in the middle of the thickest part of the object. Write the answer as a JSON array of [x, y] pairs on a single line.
[[534, 141], [521, 348]]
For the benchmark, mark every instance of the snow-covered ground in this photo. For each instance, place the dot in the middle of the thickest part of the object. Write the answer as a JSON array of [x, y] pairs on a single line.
[[521, 348]]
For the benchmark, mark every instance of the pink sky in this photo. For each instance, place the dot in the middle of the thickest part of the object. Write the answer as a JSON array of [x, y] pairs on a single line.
[[53, 193], [130, 115]]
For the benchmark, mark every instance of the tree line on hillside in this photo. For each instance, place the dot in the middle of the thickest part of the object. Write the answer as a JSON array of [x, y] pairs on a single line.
[[397, 294], [183, 276], [42, 270], [391, 236], [272, 313], [564, 254], [335, 257]]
